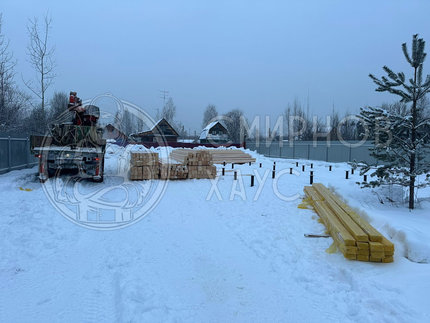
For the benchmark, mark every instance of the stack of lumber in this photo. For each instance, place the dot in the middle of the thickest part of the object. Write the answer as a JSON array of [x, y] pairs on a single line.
[[173, 171], [198, 162], [353, 235], [200, 172], [144, 165], [219, 156]]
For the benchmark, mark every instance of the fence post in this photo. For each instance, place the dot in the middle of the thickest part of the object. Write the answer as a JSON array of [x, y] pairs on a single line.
[[309, 149], [349, 158], [326, 154], [9, 154], [280, 151], [28, 152]]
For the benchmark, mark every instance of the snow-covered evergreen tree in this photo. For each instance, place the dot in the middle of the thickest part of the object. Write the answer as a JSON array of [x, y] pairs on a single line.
[[401, 136]]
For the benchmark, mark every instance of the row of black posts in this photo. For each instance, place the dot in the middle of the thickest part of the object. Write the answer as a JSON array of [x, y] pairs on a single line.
[[311, 175]]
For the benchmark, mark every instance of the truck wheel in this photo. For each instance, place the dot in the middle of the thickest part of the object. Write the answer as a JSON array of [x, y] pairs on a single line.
[[51, 172]]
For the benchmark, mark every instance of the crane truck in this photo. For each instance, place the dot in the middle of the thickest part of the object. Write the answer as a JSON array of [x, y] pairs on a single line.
[[75, 145]]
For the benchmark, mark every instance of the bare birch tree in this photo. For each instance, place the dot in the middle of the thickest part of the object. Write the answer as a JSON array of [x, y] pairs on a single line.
[[40, 55]]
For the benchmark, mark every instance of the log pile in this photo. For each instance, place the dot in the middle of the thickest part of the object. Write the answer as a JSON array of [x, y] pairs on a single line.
[[353, 235], [219, 156], [144, 165]]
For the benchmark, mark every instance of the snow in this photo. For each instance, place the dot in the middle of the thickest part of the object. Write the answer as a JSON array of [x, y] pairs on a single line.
[[198, 258]]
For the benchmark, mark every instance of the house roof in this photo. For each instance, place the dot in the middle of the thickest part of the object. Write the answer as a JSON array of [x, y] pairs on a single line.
[[205, 131], [111, 127], [154, 129]]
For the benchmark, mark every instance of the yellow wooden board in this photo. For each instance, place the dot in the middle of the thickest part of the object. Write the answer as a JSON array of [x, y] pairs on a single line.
[[362, 245], [374, 235], [363, 252], [388, 259], [376, 246], [377, 255], [350, 232], [312, 194], [334, 226], [388, 245], [363, 257]]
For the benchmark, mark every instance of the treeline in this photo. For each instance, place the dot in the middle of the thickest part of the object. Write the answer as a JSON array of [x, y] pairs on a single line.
[[29, 111]]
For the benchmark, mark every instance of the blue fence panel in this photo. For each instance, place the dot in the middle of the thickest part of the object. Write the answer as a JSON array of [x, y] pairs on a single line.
[[15, 154]]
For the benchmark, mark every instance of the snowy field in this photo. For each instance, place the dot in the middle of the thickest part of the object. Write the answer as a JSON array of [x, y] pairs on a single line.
[[199, 258]]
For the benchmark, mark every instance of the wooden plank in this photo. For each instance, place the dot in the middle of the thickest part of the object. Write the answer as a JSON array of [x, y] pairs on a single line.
[[388, 245], [218, 155], [312, 194], [388, 259], [349, 224], [363, 257], [363, 245], [338, 232], [374, 235], [376, 247]]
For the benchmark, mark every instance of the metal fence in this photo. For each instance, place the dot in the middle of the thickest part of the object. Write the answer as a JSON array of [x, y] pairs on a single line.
[[15, 154], [334, 151]]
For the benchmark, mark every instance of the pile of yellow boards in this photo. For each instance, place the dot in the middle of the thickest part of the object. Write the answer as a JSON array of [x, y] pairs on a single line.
[[144, 165], [219, 156], [353, 235]]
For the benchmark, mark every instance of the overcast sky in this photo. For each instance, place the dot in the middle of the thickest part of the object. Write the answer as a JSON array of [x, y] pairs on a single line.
[[253, 55]]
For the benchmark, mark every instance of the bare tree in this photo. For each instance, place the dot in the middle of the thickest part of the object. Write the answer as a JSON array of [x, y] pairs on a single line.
[[40, 55], [169, 111], [233, 124], [12, 101], [209, 115], [58, 111]]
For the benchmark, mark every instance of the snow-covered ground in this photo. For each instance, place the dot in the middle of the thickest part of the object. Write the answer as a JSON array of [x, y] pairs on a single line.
[[200, 256]]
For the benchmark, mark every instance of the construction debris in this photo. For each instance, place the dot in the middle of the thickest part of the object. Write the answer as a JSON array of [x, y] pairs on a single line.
[[352, 235]]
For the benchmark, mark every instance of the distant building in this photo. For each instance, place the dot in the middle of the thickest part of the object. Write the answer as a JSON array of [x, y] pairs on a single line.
[[214, 132], [162, 129], [111, 132]]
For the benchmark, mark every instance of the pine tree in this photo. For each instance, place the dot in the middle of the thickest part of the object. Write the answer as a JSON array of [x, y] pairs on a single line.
[[401, 136]]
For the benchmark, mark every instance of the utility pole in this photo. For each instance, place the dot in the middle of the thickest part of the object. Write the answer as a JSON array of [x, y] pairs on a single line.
[[163, 95]]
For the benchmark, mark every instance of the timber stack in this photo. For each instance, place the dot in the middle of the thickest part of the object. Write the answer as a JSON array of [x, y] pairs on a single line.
[[352, 235], [219, 156], [199, 164], [144, 165], [173, 171], [193, 164]]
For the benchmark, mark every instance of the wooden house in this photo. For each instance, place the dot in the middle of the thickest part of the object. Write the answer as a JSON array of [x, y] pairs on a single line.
[[214, 132], [161, 131], [111, 132]]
